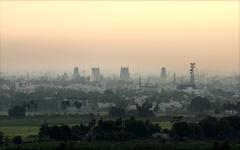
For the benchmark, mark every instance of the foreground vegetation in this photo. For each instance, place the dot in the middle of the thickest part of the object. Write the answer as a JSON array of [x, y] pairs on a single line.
[[129, 145], [29, 126], [23, 131], [125, 134]]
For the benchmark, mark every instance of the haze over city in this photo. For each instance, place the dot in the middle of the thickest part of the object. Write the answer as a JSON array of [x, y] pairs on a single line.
[[120, 74], [145, 36]]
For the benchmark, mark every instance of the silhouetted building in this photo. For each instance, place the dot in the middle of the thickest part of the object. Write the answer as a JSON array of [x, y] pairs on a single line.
[[124, 73], [163, 74], [96, 73], [192, 74], [174, 78], [76, 74]]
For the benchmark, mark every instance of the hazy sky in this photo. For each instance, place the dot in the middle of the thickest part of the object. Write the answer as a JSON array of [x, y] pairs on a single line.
[[56, 36]]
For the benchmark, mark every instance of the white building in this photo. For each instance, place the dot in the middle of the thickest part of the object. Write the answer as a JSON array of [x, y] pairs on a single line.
[[190, 90], [24, 87], [170, 106], [88, 88], [105, 105]]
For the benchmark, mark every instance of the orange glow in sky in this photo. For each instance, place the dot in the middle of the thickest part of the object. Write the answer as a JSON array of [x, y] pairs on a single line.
[[143, 35]]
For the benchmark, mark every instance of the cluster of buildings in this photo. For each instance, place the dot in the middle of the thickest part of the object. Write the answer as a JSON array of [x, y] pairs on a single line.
[[123, 75], [24, 86], [96, 82]]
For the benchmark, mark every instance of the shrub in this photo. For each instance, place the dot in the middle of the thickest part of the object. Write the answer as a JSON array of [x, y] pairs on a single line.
[[17, 140], [17, 111]]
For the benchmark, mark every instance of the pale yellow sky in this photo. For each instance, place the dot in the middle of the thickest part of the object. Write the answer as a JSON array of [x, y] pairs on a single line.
[[145, 36]]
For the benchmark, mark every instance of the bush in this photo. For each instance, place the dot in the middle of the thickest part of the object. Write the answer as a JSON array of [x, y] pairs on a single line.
[[117, 111], [166, 131], [211, 127], [17, 111], [17, 140], [118, 130], [182, 129], [199, 104], [1, 138]]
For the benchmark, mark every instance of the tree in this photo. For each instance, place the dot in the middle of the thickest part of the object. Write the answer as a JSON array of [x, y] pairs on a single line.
[[197, 131], [117, 111], [177, 119], [59, 133], [230, 106], [30, 105], [108, 92], [78, 105], [44, 131], [79, 131], [199, 104], [182, 129], [237, 107], [211, 127], [17, 111], [17, 140], [64, 105], [144, 110], [140, 128], [1, 138], [230, 126]]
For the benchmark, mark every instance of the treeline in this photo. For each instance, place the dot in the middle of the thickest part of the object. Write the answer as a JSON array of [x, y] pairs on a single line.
[[119, 130], [130, 129], [208, 128]]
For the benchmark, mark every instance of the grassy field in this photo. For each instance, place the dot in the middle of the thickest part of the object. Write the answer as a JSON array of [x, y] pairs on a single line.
[[23, 131], [30, 125], [38, 121], [165, 124]]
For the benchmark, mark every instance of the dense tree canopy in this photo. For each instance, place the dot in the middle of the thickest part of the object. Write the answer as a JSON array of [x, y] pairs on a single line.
[[199, 104], [103, 130], [17, 111], [117, 111]]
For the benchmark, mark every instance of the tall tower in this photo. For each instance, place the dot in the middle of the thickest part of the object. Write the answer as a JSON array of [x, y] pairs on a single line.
[[95, 74], [76, 74], [124, 73], [192, 74], [174, 78], [163, 74], [140, 82]]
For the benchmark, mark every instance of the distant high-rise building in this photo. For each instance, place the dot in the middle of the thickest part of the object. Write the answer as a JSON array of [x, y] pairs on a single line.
[[140, 82], [174, 78], [192, 74], [124, 73], [96, 73], [65, 76], [163, 74], [76, 74]]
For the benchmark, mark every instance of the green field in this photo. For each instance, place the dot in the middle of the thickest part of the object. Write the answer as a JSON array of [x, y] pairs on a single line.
[[165, 124], [37, 121], [23, 131]]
